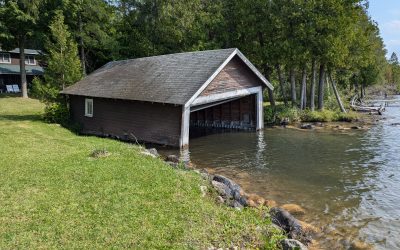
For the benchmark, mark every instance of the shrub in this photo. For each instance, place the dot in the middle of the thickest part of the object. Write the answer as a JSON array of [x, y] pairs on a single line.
[[56, 113], [290, 113]]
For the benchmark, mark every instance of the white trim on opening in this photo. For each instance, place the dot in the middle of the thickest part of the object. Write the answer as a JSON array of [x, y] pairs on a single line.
[[88, 107], [30, 60], [5, 58]]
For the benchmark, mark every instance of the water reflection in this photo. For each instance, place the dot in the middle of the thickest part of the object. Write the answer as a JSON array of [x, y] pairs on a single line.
[[348, 182]]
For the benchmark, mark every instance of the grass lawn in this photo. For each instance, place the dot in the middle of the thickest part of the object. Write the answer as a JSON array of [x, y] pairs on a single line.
[[54, 195]]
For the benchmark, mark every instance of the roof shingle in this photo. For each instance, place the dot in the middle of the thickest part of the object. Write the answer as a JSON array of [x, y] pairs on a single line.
[[173, 78]]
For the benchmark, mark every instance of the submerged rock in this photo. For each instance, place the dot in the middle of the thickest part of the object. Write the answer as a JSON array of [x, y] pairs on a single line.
[[291, 244], [359, 245], [294, 209], [307, 126], [270, 203]]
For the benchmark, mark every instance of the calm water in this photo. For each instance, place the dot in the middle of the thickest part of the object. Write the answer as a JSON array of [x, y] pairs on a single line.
[[349, 183]]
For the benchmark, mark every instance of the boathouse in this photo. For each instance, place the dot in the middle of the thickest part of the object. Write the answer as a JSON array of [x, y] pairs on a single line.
[[157, 99]]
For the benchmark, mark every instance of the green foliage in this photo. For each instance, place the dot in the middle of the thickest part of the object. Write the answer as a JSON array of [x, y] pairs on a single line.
[[56, 113], [327, 116], [63, 69], [51, 189]]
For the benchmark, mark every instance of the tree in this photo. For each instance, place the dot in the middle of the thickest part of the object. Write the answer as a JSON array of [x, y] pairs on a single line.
[[394, 60], [64, 67], [18, 23]]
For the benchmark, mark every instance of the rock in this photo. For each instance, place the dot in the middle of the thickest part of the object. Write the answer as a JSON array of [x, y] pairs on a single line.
[[308, 228], [173, 158], [307, 126], [359, 245], [319, 124], [251, 203], [270, 203], [203, 190], [222, 189], [290, 244], [228, 182], [356, 127], [291, 225], [294, 209], [220, 200], [285, 121], [242, 200], [256, 200], [147, 153], [395, 124], [172, 164], [153, 151], [237, 205]]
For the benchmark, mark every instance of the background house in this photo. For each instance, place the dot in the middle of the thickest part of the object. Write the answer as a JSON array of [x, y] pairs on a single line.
[[10, 67], [157, 99]]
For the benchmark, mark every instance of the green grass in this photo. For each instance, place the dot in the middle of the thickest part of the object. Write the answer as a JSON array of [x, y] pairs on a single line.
[[54, 195]]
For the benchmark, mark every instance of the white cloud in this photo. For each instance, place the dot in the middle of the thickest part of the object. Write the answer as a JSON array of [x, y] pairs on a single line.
[[392, 27]]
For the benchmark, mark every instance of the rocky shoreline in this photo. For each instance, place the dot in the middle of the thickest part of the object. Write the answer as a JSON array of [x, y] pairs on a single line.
[[299, 234]]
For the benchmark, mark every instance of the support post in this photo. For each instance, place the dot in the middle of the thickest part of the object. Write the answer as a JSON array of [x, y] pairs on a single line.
[[260, 109], [184, 141]]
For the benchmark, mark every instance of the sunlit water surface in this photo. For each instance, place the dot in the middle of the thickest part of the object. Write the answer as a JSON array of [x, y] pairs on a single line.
[[349, 183]]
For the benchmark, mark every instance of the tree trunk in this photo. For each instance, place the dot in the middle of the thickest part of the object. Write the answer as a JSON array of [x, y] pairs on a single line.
[[281, 83], [81, 45], [293, 85], [313, 83], [271, 98], [321, 87], [362, 90], [337, 94], [24, 84], [303, 100]]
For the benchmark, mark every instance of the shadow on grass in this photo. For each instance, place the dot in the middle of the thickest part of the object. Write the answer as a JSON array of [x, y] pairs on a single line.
[[9, 95], [21, 117]]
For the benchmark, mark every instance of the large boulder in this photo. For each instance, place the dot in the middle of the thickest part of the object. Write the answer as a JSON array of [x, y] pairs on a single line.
[[289, 224], [228, 182], [222, 189], [291, 244]]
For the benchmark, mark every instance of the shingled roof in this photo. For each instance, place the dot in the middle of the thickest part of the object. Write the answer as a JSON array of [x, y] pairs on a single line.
[[173, 78]]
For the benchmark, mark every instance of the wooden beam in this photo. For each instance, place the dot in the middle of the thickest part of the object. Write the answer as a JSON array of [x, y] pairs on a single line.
[[184, 140], [225, 96], [260, 110]]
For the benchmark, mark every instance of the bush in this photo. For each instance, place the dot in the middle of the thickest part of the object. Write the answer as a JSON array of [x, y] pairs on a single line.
[[57, 113], [327, 116], [290, 113]]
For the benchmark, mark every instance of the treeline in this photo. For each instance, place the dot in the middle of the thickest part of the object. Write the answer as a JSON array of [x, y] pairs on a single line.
[[301, 45]]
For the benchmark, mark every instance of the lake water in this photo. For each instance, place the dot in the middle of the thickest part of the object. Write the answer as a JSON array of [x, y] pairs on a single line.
[[349, 183]]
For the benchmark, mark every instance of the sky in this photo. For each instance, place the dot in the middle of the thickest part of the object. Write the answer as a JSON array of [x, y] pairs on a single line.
[[387, 14]]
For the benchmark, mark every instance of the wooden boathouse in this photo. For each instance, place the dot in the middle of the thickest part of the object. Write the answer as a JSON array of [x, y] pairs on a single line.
[[157, 99]]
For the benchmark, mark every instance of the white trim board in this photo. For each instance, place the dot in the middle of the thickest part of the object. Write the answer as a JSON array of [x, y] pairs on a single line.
[[224, 96]]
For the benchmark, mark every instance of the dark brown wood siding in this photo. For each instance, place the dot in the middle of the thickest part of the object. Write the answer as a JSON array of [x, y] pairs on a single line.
[[240, 113], [236, 75], [148, 122]]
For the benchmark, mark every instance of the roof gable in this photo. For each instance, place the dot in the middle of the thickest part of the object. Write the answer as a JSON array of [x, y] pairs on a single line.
[[174, 78]]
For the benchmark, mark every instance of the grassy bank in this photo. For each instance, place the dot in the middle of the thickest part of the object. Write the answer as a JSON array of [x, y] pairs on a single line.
[[54, 195], [293, 115]]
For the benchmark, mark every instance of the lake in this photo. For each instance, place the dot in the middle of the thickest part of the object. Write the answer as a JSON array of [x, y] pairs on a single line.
[[349, 183]]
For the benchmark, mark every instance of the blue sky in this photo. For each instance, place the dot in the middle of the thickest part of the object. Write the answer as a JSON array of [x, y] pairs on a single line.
[[387, 14]]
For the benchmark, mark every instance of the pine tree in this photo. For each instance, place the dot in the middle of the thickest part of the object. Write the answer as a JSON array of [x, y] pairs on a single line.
[[394, 60], [64, 66]]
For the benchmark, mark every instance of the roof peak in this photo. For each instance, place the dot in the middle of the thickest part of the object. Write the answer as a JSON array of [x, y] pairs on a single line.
[[178, 53]]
